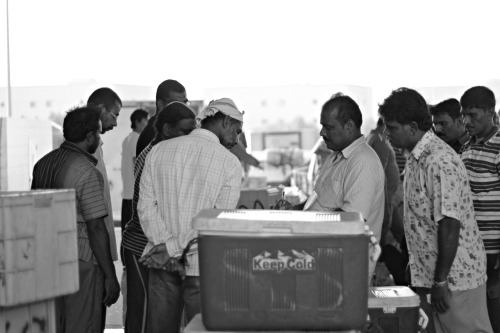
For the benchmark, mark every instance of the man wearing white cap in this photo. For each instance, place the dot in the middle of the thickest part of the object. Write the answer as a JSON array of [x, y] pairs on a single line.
[[181, 177]]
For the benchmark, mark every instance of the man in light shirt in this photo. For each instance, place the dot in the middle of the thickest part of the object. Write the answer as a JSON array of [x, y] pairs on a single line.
[[352, 178], [447, 255], [181, 177], [110, 105]]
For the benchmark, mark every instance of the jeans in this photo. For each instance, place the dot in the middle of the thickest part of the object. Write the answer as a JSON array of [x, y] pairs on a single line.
[[169, 295]]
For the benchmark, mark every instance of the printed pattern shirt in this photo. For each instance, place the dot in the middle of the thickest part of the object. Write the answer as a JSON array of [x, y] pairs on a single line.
[[482, 161], [73, 168], [435, 187], [181, 177]]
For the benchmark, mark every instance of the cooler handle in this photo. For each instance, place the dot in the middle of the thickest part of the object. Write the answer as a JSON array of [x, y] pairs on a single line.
[[423, 320]]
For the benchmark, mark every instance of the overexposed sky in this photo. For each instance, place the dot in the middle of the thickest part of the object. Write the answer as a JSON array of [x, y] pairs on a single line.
[[212, 43]]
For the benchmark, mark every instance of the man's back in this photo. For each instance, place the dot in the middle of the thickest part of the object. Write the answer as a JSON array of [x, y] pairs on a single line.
[[182, 176]]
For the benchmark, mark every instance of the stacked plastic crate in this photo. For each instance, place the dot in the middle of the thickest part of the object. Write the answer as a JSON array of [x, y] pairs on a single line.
[[38, 257]]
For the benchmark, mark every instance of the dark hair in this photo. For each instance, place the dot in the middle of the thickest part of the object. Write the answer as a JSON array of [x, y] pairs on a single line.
[[346, 108], [137, 116], [450, 106], [104, 96], [79, 122], [171, 114], [380, 122], [406, 105], [478, 97], [164, 89]]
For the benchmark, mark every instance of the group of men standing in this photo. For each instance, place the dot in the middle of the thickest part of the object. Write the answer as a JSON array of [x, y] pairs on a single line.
[[183, 165]]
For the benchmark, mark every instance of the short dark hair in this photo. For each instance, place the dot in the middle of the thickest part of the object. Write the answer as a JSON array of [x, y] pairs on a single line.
[[78, 122], [104, 96], [478, 97], [406, 105], [172, 114], [164, 89], [450, 106], [380, 122], [137, 116], [346, 108]]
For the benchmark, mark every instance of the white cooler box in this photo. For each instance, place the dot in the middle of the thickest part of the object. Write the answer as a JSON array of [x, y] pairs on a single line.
[[282, 270], [38, 245]]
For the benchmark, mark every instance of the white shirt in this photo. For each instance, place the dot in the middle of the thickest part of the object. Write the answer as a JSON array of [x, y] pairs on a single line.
[[110, 226], [181, 177], [353, 180], [128, 159]]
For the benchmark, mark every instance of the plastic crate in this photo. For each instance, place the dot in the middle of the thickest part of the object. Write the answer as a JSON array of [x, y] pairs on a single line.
[[38, 245], [395, 309], [282, 270], [29, 318]]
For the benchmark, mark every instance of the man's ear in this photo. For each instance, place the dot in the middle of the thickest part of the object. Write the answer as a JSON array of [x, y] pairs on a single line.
[[413, 127], [160, 104], [166, 129], [226, 122]]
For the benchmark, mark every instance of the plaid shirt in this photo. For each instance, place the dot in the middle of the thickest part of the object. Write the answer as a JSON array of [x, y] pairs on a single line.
[[181, 177]]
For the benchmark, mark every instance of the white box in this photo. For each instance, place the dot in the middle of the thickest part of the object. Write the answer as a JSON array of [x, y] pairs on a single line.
[[30, 318], [38, 245]]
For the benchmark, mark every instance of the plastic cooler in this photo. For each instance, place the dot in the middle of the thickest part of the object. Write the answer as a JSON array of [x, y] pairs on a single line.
[[395, 309], [282, 270]]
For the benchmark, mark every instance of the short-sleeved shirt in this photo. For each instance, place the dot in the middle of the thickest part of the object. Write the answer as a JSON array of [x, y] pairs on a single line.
[[70, 167], [435, 187], [147, 135], [353, 180], [128, 157], [482, 161]]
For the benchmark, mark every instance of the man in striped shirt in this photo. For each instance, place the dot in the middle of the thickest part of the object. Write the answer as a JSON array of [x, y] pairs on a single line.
[[181, 177], [352, 178], [174, 120], [481, 156], [73, 166]]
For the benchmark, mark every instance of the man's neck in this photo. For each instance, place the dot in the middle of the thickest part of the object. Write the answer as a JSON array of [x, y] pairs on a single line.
[[487, 133], [416, 139]]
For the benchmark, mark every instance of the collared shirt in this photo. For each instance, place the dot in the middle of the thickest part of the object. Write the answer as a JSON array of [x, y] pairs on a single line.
[[133, 236], [353, 180], [458, 143], [128, 156], [73, 168], [110, 226], [435, 187], [182, 176], [482, 160]]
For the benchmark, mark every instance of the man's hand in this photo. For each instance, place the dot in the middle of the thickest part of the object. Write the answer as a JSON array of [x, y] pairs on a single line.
[[157, 257], [112, 291], [440, 298]]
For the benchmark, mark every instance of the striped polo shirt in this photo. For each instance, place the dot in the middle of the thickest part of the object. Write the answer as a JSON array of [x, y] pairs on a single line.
[[71, 167], [482, 161], [133, 237]]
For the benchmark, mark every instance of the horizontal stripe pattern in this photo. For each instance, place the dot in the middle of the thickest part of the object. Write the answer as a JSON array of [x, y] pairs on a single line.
[[482, 161], [70, 167]]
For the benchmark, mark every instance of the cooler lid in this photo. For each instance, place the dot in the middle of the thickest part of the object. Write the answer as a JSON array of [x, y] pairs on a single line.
[[392, 296], [279, 221]]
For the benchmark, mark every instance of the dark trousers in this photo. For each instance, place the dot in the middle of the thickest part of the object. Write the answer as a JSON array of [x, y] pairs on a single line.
[[493, 291], [168, 296], [137, 293]]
